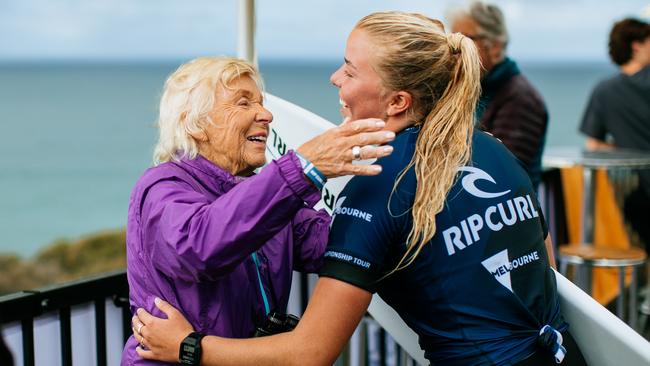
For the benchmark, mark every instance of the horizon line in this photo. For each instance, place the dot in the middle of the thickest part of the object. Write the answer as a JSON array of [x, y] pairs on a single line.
[[264, 60]]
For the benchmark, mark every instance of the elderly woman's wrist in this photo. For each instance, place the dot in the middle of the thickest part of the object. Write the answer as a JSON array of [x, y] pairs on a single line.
[[315, 176]]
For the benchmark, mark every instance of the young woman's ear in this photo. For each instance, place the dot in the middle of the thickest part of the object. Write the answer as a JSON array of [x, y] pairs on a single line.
[[399, 103]]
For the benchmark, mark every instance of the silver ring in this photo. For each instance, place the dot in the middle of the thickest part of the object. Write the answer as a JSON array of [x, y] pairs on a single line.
[[356, 152]]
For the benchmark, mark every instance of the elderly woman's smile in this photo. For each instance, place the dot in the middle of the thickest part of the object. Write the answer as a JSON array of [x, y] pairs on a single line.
[[234, 137]]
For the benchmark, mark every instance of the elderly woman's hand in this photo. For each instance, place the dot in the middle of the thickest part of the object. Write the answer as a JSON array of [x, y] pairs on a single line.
[[333, 151], [160, 338]]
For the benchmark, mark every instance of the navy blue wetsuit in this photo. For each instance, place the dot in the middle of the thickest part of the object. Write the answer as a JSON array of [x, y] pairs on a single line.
[[480, 291]]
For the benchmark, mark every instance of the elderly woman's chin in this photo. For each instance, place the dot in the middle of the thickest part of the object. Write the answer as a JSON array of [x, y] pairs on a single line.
[[253, 161], [259, 162]]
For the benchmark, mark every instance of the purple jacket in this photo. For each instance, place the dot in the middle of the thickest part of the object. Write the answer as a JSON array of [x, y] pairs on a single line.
[[192, 228]]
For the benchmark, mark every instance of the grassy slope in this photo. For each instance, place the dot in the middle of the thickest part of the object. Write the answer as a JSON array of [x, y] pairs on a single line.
[[64, 261]]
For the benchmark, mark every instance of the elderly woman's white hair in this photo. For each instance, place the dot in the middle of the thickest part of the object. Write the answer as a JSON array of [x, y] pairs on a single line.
[[190, 94]]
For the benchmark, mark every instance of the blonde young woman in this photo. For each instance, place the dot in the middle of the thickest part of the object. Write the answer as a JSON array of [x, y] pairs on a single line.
[[451, 236]]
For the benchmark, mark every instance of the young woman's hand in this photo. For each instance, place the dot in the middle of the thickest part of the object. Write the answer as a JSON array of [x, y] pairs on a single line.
[[160, 338]]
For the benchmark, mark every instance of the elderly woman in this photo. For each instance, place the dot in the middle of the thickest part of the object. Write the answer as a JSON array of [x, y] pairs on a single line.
[[456, 241], [204, 231]]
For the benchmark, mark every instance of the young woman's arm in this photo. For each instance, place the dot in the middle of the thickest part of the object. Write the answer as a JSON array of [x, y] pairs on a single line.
[[334, 311]]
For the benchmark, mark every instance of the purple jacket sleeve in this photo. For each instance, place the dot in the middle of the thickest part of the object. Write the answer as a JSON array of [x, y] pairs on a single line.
[[194, 239], [311, 230]]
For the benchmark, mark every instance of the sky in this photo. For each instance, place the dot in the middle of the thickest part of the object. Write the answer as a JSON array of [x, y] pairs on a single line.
[[105, 30]]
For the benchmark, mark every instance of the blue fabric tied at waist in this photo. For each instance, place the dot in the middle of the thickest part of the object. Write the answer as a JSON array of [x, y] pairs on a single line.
[[549, 338]]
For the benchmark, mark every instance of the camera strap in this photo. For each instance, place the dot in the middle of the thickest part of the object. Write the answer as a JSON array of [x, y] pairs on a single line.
[[259, 279]]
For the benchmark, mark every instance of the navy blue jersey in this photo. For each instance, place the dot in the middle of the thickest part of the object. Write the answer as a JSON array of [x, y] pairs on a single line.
[[481, 289]]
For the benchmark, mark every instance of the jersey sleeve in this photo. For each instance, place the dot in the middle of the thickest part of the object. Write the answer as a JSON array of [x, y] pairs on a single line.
[[365, 232]]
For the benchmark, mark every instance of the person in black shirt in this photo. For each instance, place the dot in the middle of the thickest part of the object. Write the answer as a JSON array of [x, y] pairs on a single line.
[[618, 112]]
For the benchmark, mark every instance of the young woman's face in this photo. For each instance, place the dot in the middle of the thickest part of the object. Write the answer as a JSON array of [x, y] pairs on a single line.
[[360, 87]]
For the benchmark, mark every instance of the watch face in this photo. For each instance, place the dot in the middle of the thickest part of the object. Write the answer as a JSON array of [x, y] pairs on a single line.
[[189, 355], [190, 341], [190, 352]]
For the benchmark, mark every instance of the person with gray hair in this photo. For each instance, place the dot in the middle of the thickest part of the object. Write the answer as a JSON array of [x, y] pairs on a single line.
[[509, 108]]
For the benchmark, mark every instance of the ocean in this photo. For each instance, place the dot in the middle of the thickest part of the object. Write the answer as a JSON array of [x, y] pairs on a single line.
[[76, 136]]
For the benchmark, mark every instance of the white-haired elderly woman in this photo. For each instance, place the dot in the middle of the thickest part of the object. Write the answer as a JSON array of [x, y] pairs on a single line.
[[206, 233]]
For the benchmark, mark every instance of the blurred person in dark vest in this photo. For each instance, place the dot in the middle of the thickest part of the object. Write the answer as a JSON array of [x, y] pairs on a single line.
[[509, 108], [618, 112]]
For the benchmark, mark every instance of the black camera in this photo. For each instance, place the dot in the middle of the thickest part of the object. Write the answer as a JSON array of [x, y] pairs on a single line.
[[276, 323]]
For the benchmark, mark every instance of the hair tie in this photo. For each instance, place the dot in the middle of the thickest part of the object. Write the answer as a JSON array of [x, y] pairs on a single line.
[[454, 49]]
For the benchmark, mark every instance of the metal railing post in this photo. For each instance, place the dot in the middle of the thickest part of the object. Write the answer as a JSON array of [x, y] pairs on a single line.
[[66, 336], [100, 331], [27, 329]]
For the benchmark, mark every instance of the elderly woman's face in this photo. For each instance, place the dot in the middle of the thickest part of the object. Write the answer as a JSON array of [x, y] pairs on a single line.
[[236, 138]]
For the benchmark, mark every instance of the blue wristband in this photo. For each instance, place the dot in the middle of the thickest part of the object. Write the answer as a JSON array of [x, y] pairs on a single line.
[[310, 170]]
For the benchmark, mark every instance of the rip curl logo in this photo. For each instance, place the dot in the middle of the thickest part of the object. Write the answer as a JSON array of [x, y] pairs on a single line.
[[500, 266], [475, 174]]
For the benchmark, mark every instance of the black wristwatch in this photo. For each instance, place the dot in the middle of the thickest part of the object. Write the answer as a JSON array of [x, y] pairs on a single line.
[[190, 352]]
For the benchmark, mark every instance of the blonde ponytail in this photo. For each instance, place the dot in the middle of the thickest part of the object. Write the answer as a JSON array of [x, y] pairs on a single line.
[[442, 72], [444, 145]]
